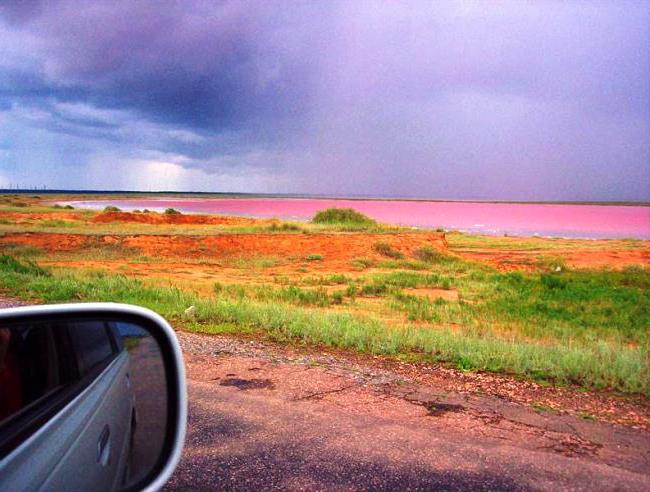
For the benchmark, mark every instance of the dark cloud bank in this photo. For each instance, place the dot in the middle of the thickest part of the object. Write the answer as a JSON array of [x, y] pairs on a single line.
[[506, 100]]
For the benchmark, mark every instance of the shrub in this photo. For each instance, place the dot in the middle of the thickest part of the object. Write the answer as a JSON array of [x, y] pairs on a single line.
[[172, 211], [551, 263], [386, 249], [111, 208], [335, 279], [314, 258], [363, 262], [345, 216], [337, 297], [374, 289], [428, 254], [284, 227], [352, 291], [69, 207]]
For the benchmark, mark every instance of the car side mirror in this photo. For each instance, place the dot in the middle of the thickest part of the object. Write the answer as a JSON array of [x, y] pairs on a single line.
[[92, 397]]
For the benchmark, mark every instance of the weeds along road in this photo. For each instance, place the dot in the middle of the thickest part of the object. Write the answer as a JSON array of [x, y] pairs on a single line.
[[266, 418]]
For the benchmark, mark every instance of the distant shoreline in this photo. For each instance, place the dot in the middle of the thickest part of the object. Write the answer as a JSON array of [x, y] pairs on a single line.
[[202, 194]]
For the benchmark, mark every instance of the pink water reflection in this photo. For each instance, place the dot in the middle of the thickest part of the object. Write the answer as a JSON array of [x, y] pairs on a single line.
[[589, 221]]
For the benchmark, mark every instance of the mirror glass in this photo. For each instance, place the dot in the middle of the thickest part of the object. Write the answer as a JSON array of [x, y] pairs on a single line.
[[83, 402]]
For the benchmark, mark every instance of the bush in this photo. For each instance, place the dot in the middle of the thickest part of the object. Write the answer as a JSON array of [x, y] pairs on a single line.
[[314, 258], [345, 216], [374, 289], [386, 249], [284, 227], [69, 207], [111, 208], [363, 262], [172, 211], [337, 297], [428, 254], [551, 263]]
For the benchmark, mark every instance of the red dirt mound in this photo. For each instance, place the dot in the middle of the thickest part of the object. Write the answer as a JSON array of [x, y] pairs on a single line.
[[332, 247], [156, 218]]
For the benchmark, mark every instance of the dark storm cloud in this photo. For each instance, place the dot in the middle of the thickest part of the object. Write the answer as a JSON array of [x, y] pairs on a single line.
[[210, 65], [450, 99]]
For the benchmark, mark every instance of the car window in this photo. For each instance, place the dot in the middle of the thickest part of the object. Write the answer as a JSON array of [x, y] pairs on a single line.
[[114, 328], [92, 343], [29, 367], [42, 366]]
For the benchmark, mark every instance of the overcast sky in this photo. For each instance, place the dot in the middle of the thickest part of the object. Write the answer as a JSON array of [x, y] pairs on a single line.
[[519, 100]]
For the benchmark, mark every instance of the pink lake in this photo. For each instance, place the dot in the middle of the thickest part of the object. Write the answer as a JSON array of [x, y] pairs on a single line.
[[580, 221]]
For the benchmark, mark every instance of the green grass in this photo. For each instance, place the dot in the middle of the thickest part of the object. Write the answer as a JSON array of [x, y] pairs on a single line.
[[255, 262], [21, 250], [579, 305], [334, 279], [57, 223], [584, 328], [404, 264], [11, 265], [406, 279]]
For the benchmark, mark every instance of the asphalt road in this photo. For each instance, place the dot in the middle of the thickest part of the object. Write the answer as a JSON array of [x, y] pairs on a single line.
[[259, 421]]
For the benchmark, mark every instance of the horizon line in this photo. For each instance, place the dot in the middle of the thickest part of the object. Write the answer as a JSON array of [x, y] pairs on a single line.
[[235, 194]]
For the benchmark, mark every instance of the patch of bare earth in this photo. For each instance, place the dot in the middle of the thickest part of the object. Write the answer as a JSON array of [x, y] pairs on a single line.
[[601, 257]]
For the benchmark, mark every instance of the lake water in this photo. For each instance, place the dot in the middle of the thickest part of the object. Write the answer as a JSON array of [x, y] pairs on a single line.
[[581, 221]]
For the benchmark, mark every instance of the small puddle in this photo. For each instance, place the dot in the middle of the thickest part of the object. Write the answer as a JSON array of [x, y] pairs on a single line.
[[437, 409], [248, 384]]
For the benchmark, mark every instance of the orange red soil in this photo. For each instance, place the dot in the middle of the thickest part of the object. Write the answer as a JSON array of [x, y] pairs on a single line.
[[155, 218], [334, 248], [607, 257]]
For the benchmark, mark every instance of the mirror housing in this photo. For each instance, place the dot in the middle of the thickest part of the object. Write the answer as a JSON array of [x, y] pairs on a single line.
[[119, 316]]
